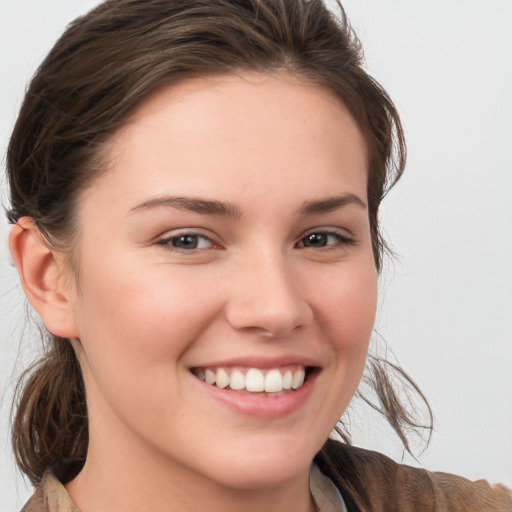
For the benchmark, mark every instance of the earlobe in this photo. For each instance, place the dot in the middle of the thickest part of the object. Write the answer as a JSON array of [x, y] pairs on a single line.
[[40, 273]]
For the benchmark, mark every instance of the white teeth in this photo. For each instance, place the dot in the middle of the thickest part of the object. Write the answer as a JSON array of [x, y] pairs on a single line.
[[273, 381], [209, 376], [298, 378], [287, 380], [254, 380], [237, 380], [222, 378]]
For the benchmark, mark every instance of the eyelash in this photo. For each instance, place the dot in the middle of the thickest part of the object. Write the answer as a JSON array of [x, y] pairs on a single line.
[[340, 240], [168, 242]]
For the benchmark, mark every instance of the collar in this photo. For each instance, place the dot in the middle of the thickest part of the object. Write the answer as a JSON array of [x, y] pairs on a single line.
[[325, 494]]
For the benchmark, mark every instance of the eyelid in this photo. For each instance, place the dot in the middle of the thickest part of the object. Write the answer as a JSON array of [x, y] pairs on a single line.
[[332, 230], [343, 236], [166, 238]]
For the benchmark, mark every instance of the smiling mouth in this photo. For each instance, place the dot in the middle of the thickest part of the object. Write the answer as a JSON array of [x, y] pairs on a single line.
[[271, 382]]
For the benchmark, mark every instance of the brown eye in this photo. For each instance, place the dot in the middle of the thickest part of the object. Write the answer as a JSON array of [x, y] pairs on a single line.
[[321, 239], [315, 240], [187, 242]]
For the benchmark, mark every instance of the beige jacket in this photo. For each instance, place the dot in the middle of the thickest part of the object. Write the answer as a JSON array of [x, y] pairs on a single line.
[[388, 487]]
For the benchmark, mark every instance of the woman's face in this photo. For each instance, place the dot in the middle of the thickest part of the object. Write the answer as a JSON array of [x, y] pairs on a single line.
[[229, 239]]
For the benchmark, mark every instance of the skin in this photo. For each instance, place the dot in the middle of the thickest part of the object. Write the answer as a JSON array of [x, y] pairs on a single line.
[[146, 312]]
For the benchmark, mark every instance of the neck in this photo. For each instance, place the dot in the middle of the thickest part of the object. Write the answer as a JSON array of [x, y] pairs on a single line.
[[113, 481], [93, 490]]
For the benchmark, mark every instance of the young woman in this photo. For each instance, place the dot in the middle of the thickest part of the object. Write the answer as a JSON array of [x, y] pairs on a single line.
[[195, 189]]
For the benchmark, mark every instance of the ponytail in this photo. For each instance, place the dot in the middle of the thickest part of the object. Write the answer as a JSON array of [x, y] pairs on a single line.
[[50, 423]]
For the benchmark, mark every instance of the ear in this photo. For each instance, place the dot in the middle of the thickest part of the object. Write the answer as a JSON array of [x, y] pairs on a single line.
[[41, 274]]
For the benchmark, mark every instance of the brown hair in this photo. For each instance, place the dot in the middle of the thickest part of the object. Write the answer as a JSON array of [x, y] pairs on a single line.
[[100, 69]]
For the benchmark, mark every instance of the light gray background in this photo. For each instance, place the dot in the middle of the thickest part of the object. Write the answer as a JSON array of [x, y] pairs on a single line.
[[446, 306]]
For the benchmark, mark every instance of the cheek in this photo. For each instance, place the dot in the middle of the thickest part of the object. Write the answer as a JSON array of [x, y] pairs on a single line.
[[345, 313], [348, 307], [143, 316], [135, 327], [348, 317]]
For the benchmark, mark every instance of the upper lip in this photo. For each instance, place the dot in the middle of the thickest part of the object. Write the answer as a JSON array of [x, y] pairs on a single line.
[[261, 362]]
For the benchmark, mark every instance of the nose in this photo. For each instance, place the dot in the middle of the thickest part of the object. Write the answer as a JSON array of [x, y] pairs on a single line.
[[266, 298]]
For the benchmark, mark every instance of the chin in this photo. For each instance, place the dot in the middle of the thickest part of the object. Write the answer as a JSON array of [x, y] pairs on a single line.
[[259, 467], [253, 477]]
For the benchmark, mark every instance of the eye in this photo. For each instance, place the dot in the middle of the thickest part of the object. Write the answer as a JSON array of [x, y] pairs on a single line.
[[187, 242], [322, 239]]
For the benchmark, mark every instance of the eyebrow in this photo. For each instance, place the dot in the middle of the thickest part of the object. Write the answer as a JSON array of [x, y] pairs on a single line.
[[329, 204], [192, 204], [226, 209]]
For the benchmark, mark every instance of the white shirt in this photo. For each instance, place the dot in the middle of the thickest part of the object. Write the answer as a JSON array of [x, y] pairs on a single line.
[[324, 492]]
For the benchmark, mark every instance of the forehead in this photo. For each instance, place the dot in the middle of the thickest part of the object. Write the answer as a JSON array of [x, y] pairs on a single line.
[[252, 130]]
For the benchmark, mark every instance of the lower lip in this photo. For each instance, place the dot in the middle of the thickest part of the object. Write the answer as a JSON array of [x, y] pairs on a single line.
[[260, 406]]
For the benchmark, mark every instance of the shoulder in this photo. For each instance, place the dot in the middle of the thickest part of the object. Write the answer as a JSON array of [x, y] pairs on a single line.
[[378, 483]]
